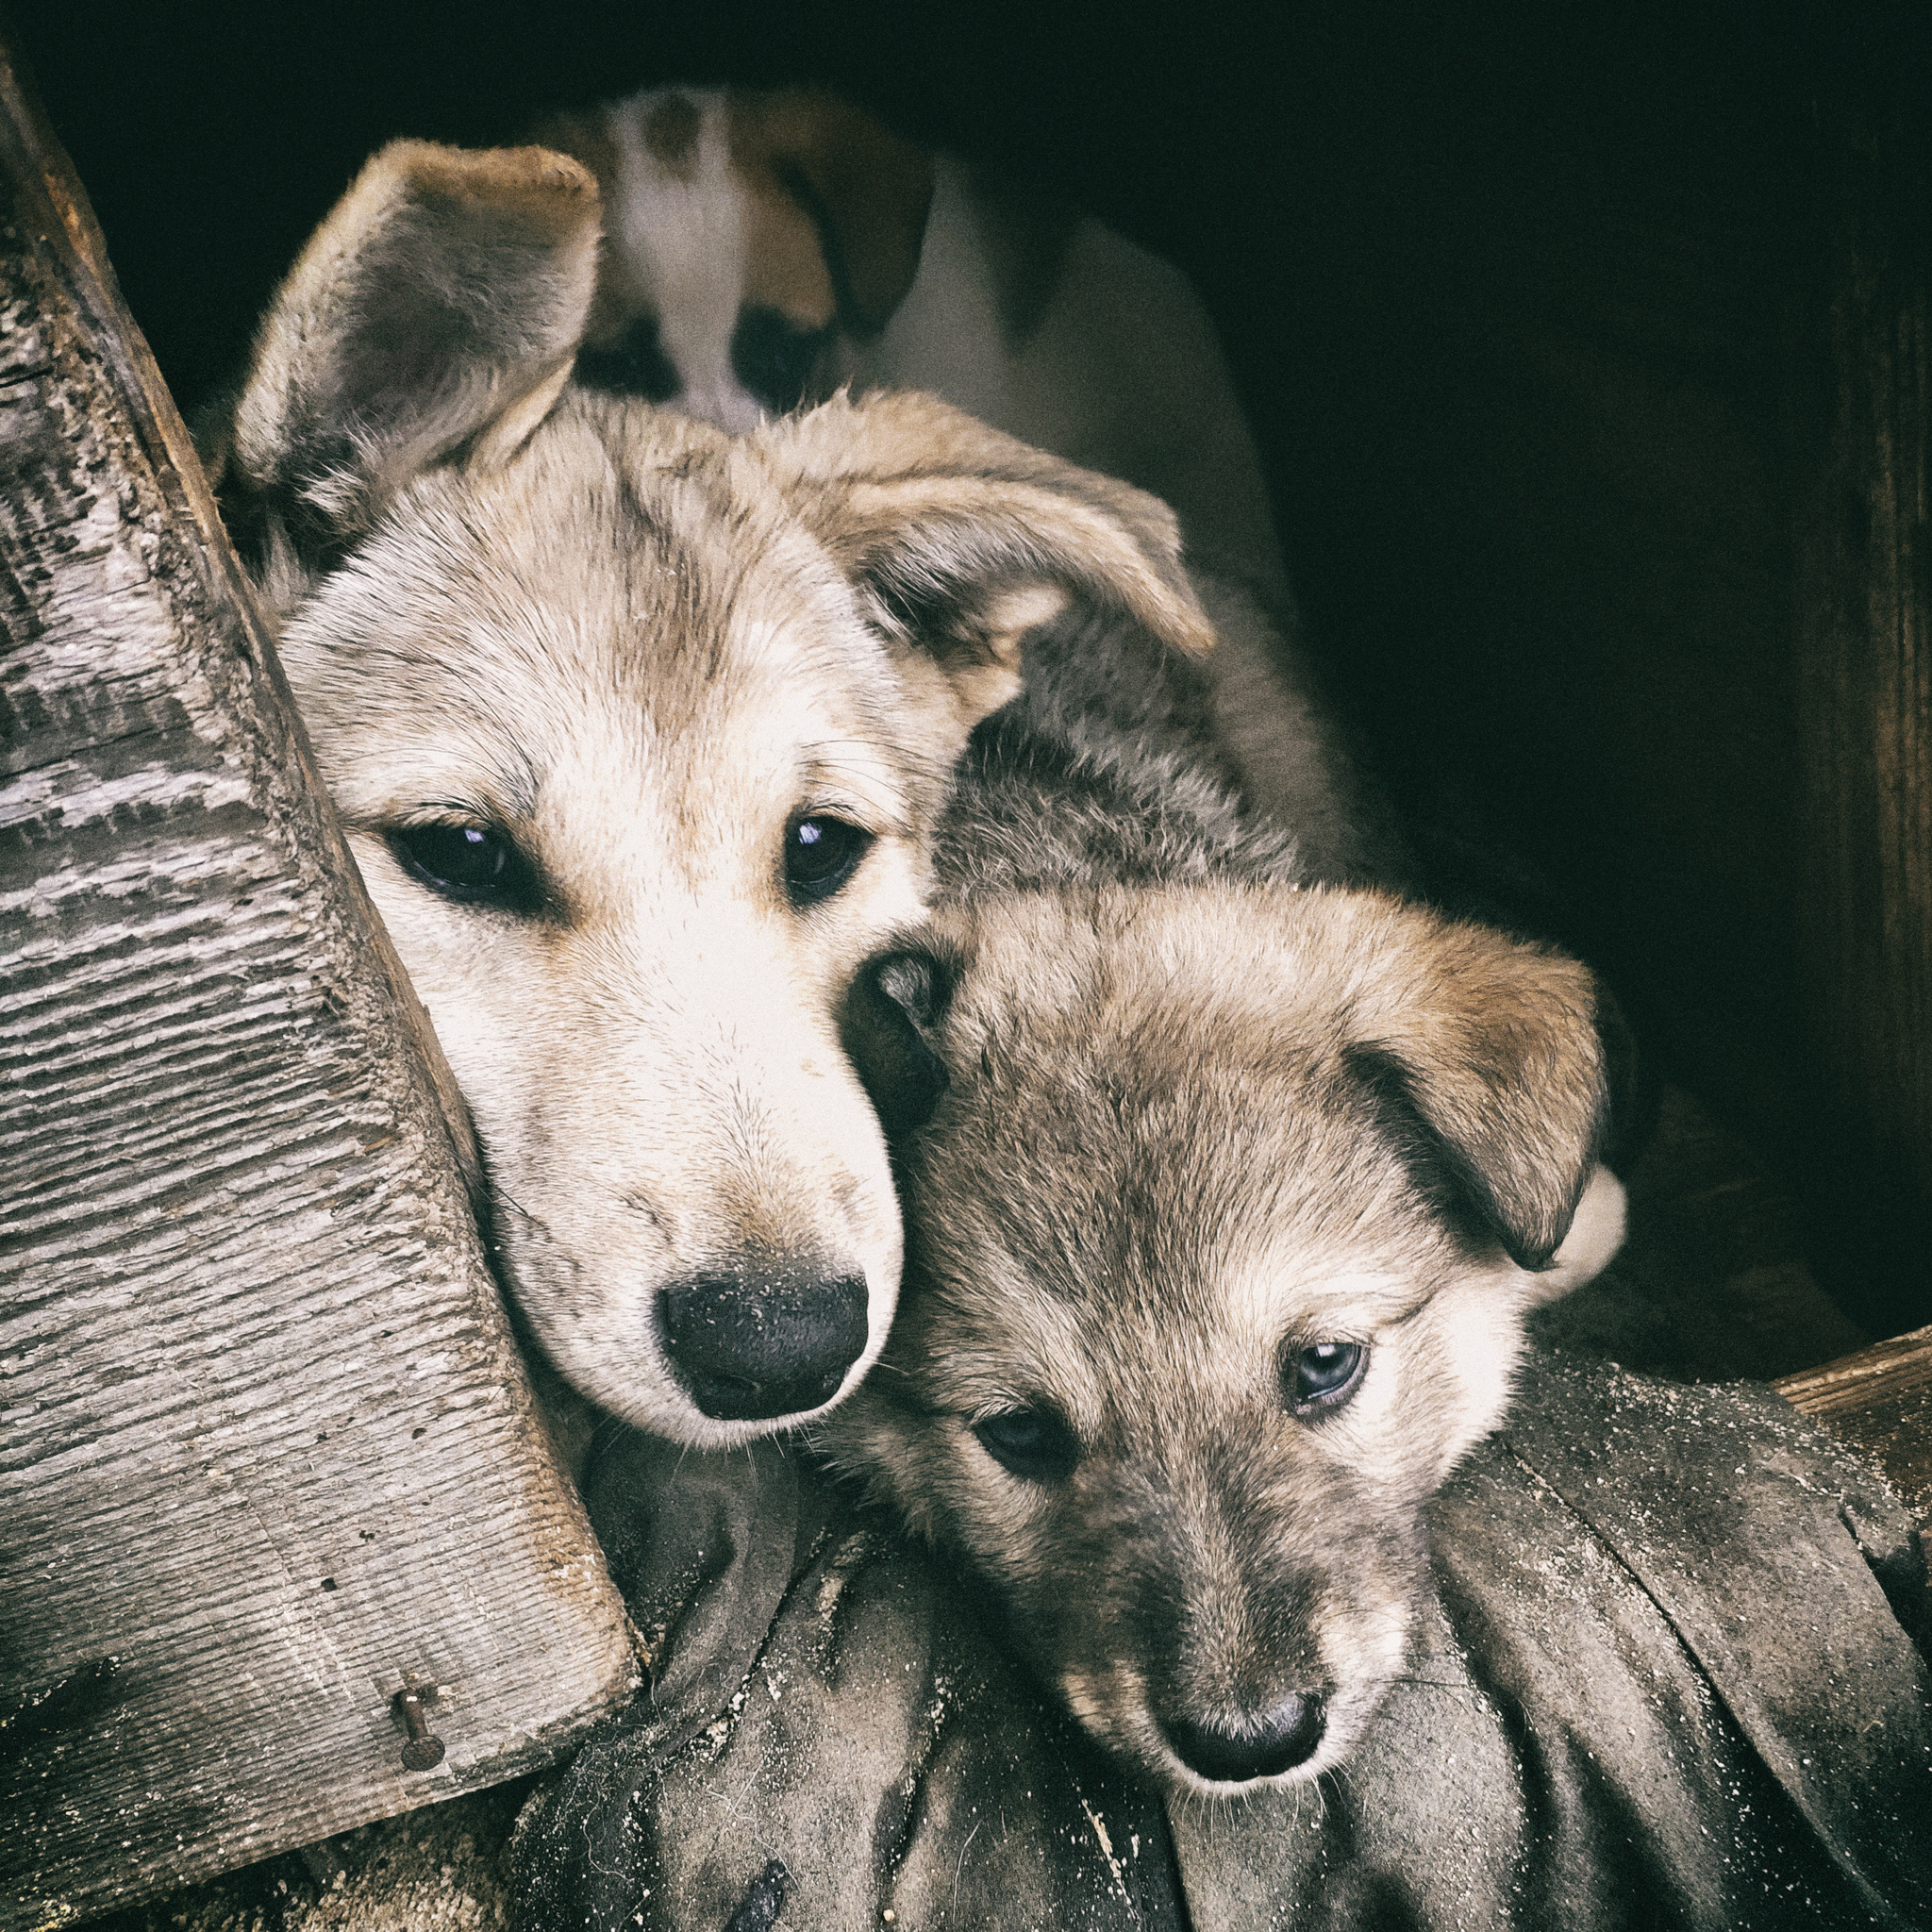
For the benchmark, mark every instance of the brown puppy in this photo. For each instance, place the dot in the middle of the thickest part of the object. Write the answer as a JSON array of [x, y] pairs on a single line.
[[1219, 1238]]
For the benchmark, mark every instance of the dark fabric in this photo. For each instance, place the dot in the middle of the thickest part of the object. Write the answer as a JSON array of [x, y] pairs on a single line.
[[1659, 1684], [827, 1702]]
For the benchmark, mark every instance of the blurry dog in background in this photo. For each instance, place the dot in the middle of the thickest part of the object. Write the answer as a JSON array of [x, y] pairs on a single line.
[[762, 249]]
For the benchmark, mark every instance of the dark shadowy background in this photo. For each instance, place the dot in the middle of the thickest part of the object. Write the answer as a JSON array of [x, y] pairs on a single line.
[[1524, 306]]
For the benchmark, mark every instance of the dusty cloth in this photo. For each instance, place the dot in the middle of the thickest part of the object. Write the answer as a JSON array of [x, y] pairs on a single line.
[[1664, 1681]]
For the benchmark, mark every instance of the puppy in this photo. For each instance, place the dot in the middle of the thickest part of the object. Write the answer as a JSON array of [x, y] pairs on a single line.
[[763, 248], [1221, 1235], [642, 736]]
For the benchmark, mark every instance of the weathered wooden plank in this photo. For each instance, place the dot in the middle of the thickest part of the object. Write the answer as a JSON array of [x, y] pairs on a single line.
[[1880, 1401], [268, 1458]]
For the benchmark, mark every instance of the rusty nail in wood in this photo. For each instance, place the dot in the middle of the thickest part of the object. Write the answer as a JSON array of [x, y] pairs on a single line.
[[422, 1751]]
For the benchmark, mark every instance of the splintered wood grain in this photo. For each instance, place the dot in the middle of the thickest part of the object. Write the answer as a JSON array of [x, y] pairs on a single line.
[[267, 1455], [1880, 1401]]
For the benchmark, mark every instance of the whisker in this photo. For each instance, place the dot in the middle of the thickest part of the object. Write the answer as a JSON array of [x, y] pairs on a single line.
[[504, 1193]]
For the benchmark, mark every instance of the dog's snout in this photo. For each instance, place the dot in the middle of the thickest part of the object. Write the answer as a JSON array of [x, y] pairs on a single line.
[[755, 1344], [1255, 1745]]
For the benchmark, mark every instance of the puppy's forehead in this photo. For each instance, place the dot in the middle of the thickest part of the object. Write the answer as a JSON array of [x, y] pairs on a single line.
[[1123, 1178], [625, 544], [629, 581], [1148, 1116]]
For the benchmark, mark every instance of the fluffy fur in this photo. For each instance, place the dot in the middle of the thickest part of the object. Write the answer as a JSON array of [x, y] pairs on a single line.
[[582, 675], [585, 680], [764, 248], [1182, 1138]]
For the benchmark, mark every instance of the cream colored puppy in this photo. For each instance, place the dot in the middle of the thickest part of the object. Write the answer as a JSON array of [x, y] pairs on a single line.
[[641, 735]]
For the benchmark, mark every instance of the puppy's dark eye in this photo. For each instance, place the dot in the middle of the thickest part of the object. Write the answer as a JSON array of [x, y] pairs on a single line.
[[469, 862], [820, 854], [1034, 1444], [1325, 1376], [774, 358]]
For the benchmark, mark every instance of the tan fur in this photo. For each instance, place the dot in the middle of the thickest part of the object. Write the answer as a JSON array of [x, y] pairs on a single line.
[[1008, 305], [639, 651], [869, 189], [1189, 1134], [785, 266]]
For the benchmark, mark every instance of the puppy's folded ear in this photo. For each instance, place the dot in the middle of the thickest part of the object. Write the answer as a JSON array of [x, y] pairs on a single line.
[[961, 540], [1485, 1059], [888, 1029], [435, 310]]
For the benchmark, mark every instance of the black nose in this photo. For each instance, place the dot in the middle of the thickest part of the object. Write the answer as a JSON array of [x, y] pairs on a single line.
[[1263, 1744], [756, 1343]]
